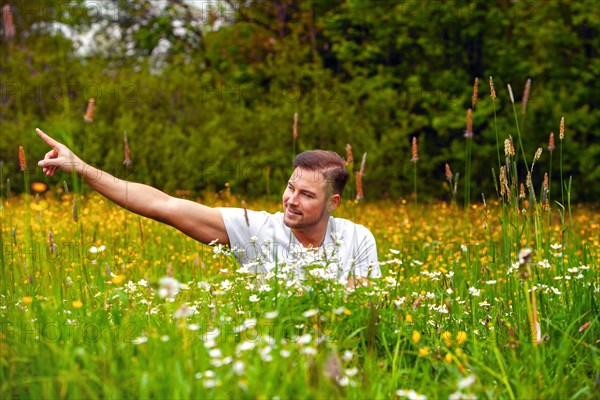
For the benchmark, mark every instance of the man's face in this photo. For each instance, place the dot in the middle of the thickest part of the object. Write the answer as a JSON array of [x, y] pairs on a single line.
[[306, 200]]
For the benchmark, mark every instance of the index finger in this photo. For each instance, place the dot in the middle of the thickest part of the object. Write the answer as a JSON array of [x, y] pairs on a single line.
[[51, 142]]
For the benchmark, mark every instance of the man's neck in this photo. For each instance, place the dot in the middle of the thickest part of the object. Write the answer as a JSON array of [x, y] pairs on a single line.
[[313, 238]]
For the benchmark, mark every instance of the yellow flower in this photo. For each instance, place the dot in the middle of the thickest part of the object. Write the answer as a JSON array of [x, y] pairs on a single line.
[[118, 279], [409, 318], [423, 351], [447, 336], [416, 337], [77, 304], [448, 358], [27, 300], [461, 337]]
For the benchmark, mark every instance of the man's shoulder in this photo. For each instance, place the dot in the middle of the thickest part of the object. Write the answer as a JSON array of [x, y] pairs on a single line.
[[345, 225]]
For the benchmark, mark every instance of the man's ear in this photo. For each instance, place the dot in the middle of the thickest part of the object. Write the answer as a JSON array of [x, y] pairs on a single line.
[[333, 203]]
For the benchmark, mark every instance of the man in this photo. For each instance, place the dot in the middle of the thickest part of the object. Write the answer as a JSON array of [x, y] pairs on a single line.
[[304, 234]]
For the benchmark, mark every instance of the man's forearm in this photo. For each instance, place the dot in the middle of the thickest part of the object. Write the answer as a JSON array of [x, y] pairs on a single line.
[[136, 197]]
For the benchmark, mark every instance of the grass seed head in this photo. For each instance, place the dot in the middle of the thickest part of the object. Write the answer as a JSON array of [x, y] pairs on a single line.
[[89, 114], [127, 161], [448, 173], [492, 90], [349, 156], [526, 92], [538, 154], [562, 128], [512, 98], [415, 150], [295, 131], [522, 191], [469, 130], [475, 92], [551, 146], [359, 189], [22, 159], [8, 22]]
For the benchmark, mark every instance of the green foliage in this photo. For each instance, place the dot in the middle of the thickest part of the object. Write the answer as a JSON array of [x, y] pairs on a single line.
[[373, 74]]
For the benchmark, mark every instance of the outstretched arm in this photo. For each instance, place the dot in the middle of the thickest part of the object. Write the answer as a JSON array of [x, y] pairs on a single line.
[[198, 221]]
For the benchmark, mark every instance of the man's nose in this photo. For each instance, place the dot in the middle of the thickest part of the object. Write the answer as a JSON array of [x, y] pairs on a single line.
[[293, 198]]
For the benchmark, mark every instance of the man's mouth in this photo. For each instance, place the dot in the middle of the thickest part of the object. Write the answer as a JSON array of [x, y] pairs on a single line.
[[293, 211]]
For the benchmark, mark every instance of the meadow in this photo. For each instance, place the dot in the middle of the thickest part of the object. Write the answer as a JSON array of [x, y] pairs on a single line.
[[98, 302], [494, 298]]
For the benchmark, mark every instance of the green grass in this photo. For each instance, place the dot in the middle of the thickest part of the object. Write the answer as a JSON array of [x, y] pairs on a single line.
[[311, 340]]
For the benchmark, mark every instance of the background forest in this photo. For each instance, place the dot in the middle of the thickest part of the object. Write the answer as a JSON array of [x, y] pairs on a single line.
[[207, 90]]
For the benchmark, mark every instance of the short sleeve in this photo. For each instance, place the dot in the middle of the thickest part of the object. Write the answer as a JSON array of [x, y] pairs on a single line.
[[364, 261]]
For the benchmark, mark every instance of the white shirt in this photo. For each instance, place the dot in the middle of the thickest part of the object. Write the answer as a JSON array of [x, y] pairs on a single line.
[[263, 243]]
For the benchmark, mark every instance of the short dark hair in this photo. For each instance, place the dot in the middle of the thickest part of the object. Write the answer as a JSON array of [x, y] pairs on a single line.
[[328, 163]]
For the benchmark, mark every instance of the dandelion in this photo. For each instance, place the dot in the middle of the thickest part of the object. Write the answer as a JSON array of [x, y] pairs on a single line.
[[89, 114], [447, 337], [423, 351], [526, 92], [448, 358], [77, 304], [118, 279], [27, 300], [475, 92], [416, 337], [469, 131], [492, 90]]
